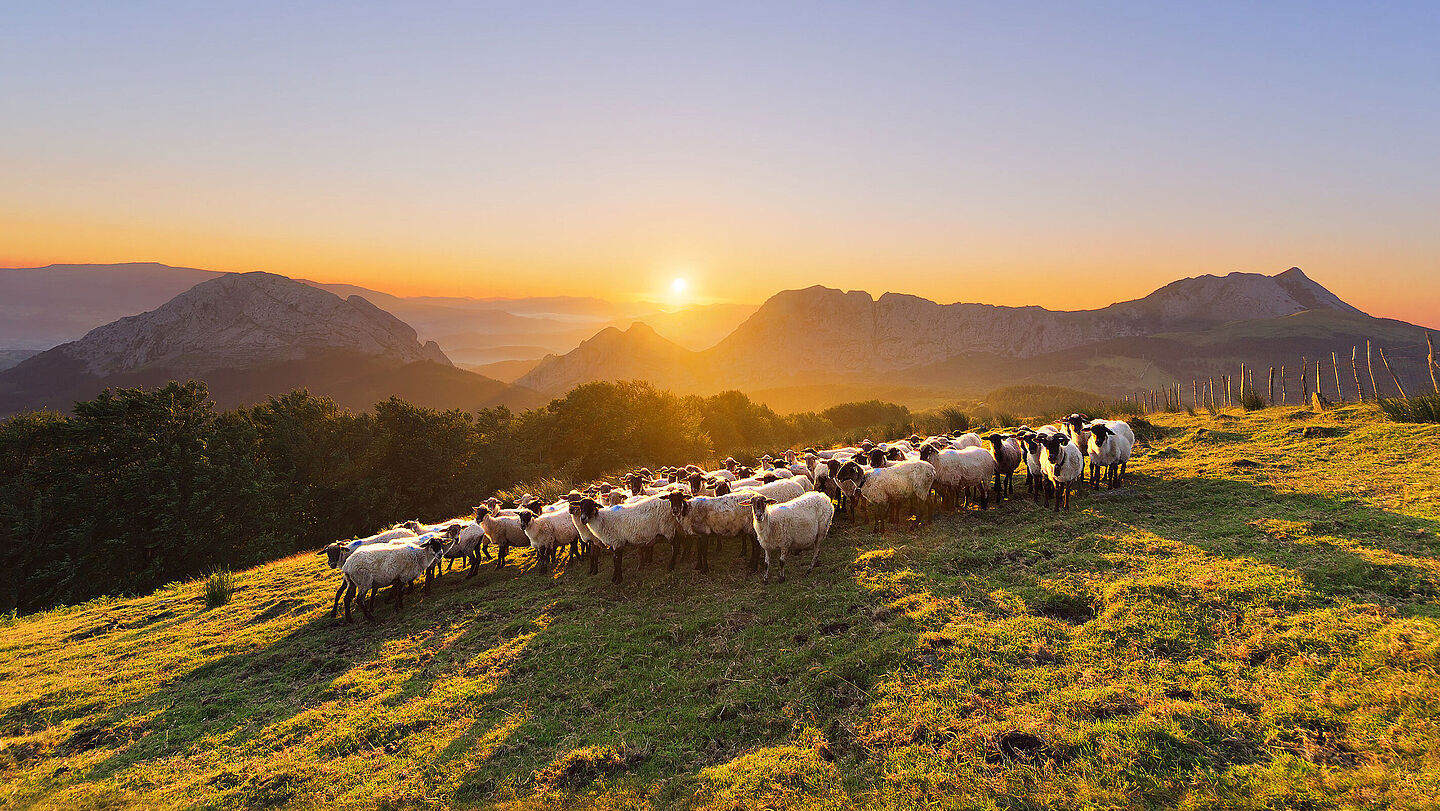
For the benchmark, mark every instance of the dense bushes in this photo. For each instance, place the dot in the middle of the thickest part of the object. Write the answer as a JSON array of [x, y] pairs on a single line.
[[140, 488]]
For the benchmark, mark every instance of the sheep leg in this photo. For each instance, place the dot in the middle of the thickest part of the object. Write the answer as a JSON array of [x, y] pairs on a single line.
[[755, 555], [594, 558], [473, 563], [349, 593], [702, 554], [485, 546], [619, 558], [814, 558], [335, 607], [674, 554], [504, 551], [766, 579], [399, 590], [427, 580], [782, 564]]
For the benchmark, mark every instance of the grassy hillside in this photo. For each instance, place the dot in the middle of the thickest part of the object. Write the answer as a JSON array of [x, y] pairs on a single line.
[[1251, 624]]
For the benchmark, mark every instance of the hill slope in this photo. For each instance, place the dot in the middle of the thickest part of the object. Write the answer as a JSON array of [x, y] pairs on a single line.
[[1242, 627]]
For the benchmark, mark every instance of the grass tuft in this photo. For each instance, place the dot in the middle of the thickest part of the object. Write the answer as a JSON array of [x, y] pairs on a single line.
[[219, 588], [1424, 408]]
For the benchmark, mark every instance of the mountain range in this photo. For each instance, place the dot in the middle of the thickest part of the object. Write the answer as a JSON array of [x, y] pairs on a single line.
[[820, 336], [250, 335], [255, 334]]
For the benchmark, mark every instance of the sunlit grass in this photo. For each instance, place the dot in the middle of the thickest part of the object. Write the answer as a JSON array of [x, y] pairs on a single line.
[[1250, 623]]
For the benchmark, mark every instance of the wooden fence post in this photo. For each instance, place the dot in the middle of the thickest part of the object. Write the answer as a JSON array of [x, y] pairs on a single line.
[[1370, 364], [1339, 392], [1317, 378], [1283, 398], [1355, 370], [1304, 381], [1429, 344], [1272, 386], [1393, 378]]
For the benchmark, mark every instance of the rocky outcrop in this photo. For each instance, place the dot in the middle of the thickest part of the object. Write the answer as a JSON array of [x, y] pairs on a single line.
[[638, 353], [243, 319]]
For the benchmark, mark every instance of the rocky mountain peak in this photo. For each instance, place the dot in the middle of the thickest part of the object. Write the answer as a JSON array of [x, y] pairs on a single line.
[[241, 319]]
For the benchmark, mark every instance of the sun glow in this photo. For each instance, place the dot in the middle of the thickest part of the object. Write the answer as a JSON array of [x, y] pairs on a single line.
[[678, 287]]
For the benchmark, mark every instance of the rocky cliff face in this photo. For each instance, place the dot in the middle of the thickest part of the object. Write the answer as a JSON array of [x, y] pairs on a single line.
[[244, 319]]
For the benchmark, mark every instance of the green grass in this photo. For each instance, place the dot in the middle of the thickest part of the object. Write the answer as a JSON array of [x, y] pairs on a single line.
[[219, 588], [1251, 623]]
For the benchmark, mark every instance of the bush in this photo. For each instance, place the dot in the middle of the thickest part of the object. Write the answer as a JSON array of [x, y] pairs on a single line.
[[954, 420], [1425, 408], [1250, 401], [219, 587]]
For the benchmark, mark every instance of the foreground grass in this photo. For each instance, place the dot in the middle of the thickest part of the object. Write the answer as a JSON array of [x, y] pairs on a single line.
[[1252, 623]]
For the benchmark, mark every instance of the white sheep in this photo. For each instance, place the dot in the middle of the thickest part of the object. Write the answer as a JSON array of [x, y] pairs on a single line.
[[1109, 452], [964, 471], [548, 531], [502, 528], [640, 524], [1062, 464], [782, 528], [897, 485], [967, 440], [375, 566]]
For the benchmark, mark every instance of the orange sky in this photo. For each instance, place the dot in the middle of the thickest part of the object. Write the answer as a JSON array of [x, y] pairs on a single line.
[[606, 151]]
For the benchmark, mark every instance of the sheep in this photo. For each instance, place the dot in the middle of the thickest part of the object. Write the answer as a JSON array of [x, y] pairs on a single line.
[[781, 490], [374, 566], [1077, 427], [897, 484], [502, 528], [640, 523], [1034, 476], [1110, 450], [467, 546], [547, 531], [800, 523], [1008, 455], [1061, 462], [337, 552], [706, 517], [970, 440], [966, 471], [850, 475]]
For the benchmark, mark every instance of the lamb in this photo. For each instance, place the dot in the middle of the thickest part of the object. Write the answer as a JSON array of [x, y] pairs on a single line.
[[502, 528], [1110, 450], [374, 566], [1007, 454], [548, 531], [1034, 476], [794, 525], [965, 471], [640, 523], [1061, 462], [781, 490], [899, 484], [717, 517]]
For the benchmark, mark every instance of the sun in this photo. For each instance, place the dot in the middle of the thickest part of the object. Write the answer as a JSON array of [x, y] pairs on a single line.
[[678, 286]]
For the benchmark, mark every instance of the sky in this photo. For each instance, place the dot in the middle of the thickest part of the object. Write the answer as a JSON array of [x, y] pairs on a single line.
[[1062, 154]]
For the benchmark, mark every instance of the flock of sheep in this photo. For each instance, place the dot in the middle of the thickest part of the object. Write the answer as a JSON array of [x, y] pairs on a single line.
[[784, 507]]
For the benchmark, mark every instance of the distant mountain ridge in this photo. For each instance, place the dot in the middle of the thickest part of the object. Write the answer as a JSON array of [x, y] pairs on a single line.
[[250, 335], [821, 335]]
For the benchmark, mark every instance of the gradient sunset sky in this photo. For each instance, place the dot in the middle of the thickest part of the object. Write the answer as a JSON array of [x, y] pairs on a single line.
[[1063, 154]]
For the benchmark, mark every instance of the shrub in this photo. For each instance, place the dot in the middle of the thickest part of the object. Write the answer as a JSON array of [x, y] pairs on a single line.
[[219, 587], [955, 420], [1424, 408], [1250, 401]]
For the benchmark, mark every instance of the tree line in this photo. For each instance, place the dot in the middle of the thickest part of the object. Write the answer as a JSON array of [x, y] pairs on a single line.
[[137, 488]]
